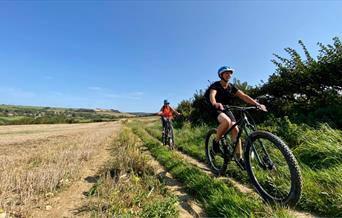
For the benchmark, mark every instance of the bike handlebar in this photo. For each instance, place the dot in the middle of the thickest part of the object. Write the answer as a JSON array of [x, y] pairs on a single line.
[[228, 107]]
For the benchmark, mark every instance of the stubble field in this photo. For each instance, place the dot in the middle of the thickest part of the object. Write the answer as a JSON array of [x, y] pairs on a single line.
[[37, 161]]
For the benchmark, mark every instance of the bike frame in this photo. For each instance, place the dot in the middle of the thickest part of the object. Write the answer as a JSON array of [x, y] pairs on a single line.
[[242, 122], [167, 124], [168, 129]]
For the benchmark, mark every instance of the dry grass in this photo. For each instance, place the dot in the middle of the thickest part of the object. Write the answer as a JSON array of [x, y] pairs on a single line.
[[38, 160], [129, 186], [18, 134]]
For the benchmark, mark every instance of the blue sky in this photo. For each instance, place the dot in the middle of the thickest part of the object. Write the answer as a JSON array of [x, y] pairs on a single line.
[[131, 55]]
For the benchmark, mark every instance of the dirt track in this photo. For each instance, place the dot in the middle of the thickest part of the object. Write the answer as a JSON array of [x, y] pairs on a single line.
[[188, 207], [70, 200], [21, 144]]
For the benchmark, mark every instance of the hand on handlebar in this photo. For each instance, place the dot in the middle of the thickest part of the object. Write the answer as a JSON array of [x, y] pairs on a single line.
[[261, 107], [219, 106]]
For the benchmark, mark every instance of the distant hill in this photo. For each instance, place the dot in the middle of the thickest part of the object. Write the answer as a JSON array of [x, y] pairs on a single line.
[[142, 114], [18, 114], [110, 110]]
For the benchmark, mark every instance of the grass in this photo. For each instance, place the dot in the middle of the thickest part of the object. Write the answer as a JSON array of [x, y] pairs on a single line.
[[318, 151], [5, 120], [191, 141], [128, 185], [320, 154], [34, 167], [218, 198]]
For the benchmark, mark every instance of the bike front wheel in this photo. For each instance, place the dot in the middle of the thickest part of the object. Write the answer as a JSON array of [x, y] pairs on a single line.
[[171, 138], [273, 169]]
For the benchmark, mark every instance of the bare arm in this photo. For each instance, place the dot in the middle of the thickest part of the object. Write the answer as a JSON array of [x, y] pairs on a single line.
[[160, 111], [212, 96], [174, 111], [249, 100]]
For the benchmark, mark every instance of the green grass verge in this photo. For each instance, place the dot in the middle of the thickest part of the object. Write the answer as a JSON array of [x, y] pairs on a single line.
[[218, 198], [318, 151]]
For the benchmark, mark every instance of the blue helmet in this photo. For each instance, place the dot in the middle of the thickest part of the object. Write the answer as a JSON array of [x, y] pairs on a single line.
[[166, 102], [224, 69]]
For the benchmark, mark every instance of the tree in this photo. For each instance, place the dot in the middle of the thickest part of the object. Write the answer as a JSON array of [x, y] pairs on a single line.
[[305, 87]]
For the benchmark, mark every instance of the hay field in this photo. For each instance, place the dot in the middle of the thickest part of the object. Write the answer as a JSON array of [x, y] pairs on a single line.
[[36, 161]]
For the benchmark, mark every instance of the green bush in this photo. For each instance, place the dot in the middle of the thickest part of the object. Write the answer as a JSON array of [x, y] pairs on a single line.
[[290, 132]]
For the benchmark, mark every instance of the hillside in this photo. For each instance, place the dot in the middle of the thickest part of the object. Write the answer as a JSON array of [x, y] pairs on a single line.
[[16, 114]]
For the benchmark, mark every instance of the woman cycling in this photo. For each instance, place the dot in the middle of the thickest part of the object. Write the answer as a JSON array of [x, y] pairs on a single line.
[[221, 93]]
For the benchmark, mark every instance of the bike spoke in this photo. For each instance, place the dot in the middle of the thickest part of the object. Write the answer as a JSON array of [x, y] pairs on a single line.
[[271, 169]]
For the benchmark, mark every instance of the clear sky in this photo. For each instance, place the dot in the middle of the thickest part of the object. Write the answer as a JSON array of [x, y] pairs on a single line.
[[131, 55]]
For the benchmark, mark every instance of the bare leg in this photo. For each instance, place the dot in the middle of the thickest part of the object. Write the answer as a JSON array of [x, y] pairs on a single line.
[[224, 125], [238, 150]]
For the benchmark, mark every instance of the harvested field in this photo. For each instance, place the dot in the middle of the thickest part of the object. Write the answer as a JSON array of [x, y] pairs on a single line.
[[37, 161]]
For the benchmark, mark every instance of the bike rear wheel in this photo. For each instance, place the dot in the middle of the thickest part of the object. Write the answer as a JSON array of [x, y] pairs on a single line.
[[273, 169], [217, 162]]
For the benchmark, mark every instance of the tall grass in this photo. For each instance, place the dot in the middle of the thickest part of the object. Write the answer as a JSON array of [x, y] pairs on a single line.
[[318, 151], [128, 186], [218, 198]]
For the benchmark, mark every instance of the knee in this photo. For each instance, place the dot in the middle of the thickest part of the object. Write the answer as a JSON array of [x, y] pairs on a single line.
[[224, 120], [236, 130], [225, 123]]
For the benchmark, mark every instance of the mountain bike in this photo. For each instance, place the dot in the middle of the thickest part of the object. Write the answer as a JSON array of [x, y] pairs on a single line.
[[168, 137], [270, 164]]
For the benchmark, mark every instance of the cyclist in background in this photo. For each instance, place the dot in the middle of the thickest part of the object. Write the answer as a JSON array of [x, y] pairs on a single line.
[[221, 93], [166, 112]]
